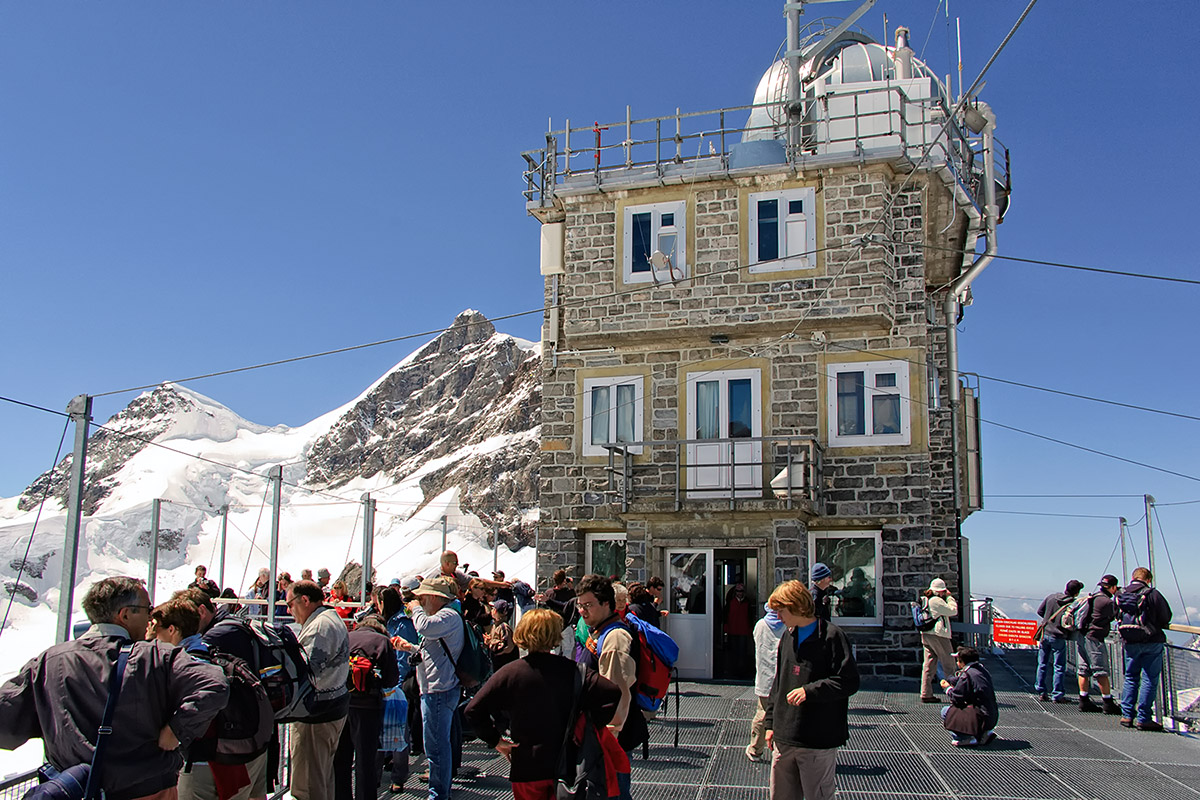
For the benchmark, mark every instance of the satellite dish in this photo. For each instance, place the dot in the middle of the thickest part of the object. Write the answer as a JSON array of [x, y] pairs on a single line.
[[659, 260]]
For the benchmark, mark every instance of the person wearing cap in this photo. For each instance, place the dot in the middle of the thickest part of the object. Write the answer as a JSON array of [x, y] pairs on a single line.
[[822, 590], [1052, 650], [323, 577], [499, 639], [441, 638], [935, 644], [1097, 620]]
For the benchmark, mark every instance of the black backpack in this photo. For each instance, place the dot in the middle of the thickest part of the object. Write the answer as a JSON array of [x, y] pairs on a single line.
[[364, 679], [1133, 625], [282, 667], [244, 727], [473, 665], [582, 774]]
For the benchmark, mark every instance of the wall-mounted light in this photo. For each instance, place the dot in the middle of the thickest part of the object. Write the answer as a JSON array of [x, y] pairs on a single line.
[[719, 338]]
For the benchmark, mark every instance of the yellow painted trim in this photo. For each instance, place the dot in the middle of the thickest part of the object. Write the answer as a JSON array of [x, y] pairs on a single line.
[[744, 193], [668, 194], [918, 404], [632, 370]]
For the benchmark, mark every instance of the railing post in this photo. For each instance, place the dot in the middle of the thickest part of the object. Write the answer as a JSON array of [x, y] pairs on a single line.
[[276, 503], [658, 146], [628, 137], [567, 149], [224, 539], [368, 554], [680, 475], [732, 474], [788, 502], [495, 545], [80, 411], [444, 533], [626, 478], [155, 516]]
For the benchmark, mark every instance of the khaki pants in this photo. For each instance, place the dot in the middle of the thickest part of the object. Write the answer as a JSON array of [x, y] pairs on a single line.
[[758, 729], [802, 773], [196, 782], [312, 747], [936, 650]]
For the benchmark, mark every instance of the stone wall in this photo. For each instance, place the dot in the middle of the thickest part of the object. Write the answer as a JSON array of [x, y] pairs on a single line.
[[867, 298]]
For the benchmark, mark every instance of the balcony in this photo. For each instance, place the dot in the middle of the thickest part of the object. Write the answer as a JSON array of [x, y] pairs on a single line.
[[753, 473]]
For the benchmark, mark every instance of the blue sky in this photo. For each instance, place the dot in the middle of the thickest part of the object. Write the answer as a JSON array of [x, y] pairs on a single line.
[[189, 187]]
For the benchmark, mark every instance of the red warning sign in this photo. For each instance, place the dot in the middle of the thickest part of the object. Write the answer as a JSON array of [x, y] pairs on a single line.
[[1014, 631]]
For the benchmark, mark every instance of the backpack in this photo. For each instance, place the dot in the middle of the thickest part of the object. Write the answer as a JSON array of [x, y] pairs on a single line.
[[583, 760], [364, 679], [923, 619], [655, 653], [244, 727], [1077, 614], [473, 666], [1133, 626], [282, 668]]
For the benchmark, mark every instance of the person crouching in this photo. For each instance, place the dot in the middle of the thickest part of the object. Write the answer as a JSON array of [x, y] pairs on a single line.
[[807, 710], [972, 717]]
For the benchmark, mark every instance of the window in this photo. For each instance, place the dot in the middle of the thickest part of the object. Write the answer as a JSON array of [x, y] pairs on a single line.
[[612, 413], [724, 405], [657, 227], [605, 554], [783, 230], [854, 558], [868, 403]]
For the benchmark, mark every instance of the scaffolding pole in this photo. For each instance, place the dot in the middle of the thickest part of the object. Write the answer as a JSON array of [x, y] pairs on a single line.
[[155, 519], [80, 411]]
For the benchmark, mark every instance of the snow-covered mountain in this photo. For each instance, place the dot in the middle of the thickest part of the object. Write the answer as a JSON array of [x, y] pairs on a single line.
[[449, 431]]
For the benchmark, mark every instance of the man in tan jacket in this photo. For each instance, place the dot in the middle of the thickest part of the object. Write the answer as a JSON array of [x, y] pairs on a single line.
[[610, 649]]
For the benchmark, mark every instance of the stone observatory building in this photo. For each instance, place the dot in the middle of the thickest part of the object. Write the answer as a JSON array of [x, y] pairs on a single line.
[[749, 348]]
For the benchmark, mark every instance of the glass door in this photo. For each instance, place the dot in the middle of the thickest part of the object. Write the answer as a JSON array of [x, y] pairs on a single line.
[[690, 603], [727, 406]]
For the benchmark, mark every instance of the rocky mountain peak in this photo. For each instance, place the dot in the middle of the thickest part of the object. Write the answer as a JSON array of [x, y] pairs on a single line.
[[126, 434]]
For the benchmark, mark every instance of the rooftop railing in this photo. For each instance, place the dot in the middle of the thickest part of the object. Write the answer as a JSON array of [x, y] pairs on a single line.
[[839, 126]]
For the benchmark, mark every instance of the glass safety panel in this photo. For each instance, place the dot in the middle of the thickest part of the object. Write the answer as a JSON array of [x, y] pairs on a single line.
[[689, 583], [855, 575]]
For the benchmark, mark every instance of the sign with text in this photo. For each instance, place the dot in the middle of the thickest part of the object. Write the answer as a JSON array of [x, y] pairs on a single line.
[[1014, 631]]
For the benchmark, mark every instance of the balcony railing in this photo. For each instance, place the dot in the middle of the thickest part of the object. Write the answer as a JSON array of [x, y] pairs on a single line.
[[684, 470]]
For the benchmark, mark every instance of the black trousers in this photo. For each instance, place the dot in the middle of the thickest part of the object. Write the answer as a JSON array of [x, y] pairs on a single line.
[[358, 755]]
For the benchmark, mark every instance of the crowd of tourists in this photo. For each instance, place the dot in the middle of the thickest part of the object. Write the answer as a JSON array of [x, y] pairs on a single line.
[[195, 697]]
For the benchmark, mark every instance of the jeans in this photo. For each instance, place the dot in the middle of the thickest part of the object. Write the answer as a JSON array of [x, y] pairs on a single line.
[[1143, 667], [1052, 651], [437, 716]]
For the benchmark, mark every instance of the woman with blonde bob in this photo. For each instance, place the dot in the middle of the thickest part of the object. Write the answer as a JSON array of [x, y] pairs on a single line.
[[533, 697], [807, 710]]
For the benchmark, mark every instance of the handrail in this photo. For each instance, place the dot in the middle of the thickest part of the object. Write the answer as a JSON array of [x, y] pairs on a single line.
[[1184, 629]]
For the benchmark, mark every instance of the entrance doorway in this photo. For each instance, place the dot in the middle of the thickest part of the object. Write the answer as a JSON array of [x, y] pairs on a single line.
[[739, 606], [710, 619]]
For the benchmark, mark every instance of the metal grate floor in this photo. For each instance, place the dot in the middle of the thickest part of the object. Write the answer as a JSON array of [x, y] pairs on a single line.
[[897, 749]]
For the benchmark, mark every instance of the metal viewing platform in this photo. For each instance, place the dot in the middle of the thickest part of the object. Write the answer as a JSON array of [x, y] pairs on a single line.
[[897, 749]]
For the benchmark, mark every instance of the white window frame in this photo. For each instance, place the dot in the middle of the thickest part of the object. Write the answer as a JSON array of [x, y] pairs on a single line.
[[614, 536], [870, 370], [678, 267], [748, 453], [877, 535], [589, 384], [805, 250]]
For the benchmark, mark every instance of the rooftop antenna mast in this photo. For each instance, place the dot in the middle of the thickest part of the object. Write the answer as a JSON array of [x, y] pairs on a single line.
[[795, 58]]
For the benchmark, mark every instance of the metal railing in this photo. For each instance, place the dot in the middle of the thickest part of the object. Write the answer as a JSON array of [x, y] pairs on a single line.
[[671, 468], [13, 787], [838, 126]]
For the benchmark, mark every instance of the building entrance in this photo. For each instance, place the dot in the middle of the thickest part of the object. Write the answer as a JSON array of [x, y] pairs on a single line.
[[711, 618]]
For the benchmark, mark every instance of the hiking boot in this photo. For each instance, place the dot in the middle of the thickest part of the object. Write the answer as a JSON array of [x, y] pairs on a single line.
[[1043, 698], [988, 738], [1063, 701], [1126, 722], [1086, 704], [1151, 726], [1111, 706], [930, 700]]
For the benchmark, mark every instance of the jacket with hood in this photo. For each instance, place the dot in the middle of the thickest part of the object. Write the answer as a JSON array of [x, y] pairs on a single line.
[[767, 632]]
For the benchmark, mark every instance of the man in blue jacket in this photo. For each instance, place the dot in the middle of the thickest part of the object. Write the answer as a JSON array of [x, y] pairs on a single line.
[[807, 710]]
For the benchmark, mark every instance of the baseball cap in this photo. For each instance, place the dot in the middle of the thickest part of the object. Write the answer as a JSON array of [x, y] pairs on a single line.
[[1110, 581]]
